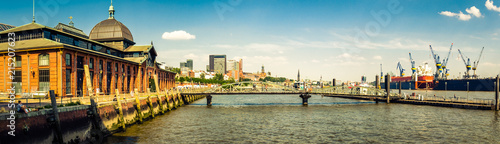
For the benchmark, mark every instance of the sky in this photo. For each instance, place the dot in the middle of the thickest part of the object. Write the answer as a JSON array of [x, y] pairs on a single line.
[[321, 38]]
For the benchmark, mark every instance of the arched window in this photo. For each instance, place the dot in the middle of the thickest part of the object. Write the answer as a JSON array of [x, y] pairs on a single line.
[[43, 59], [116, 67], [68, 59]]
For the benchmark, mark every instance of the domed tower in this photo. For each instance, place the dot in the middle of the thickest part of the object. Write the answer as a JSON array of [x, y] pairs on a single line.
[[112, 32]]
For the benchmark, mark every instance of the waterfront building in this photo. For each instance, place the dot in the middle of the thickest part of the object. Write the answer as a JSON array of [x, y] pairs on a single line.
[[218, 63], [49, 58]]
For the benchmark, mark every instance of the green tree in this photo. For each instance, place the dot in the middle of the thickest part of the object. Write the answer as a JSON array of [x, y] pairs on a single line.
[[176, 70], [202, 75]]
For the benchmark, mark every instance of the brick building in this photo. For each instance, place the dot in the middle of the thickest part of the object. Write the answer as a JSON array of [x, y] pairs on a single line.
[[49, 58]]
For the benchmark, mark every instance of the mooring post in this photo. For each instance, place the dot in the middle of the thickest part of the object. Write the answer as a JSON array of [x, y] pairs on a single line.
[[58, 136], [497, 106], [305, 98], [121, 120], [388, 86], [399, 88], [209, 100], [138, 105]]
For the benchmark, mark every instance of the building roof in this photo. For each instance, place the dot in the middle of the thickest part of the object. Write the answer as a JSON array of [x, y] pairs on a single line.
[[143, 48], [136, 59], [5, 27], [32, 26], [25, 27], [110, 29], [32, 43], [71, 29]]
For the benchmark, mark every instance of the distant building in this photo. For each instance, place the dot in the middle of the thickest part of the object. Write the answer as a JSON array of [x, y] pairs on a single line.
[[188, 64], [218, 63]]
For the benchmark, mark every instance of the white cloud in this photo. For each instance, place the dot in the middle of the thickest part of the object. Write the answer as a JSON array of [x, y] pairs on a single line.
[[460, 16], [177, 35], [377, 57], [490, 6], [474, 11]]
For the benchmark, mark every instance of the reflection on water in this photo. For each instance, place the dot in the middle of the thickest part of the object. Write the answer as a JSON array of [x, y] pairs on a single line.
[[282, 118]]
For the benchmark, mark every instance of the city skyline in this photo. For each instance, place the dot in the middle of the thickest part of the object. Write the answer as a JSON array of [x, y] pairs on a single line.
[[321, 38]]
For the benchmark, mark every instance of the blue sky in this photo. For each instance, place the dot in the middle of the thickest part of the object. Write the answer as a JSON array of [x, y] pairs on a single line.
[[328, 38]]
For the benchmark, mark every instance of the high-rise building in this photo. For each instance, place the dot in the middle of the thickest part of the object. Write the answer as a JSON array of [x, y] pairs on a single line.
[[188, 64], [218, 63]]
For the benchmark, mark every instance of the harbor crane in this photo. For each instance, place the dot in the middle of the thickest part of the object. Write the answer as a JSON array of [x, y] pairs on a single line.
[[401, 69], [467, 64], [413, 69], [439, 69], [445, 74], [474, 67]]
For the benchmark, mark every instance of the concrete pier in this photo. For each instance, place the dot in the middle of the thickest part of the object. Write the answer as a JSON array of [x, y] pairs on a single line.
[[305, 97], [209, 100]]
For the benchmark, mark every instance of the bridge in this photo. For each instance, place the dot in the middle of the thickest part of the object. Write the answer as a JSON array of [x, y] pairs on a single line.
[[350, 92]]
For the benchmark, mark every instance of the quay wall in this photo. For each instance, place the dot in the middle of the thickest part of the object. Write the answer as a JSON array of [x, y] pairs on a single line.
[[77, 125]]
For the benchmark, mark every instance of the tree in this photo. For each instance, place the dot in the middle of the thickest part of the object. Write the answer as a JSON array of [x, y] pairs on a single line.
[[176, 70], [202, 75]]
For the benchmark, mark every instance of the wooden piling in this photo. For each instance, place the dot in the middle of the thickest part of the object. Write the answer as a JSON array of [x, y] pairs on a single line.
[[121, 120], [400, 88], [58, 133], [377, 82], [138, 105], [388, 87], [150, 103], [497, 106]]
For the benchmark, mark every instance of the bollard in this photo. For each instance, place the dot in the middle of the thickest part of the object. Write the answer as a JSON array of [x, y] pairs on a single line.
[[209, 100], [497, 106], [305, 98], [58, 135], [388, 86]]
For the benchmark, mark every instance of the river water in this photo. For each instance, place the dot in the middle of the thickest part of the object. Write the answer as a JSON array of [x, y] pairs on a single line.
[[282, 119]]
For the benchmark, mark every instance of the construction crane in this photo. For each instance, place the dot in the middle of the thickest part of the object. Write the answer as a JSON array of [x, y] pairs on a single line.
[[445, 63], [439, 69], [401, 69], [413, 69], [467, 64], [474, 67]]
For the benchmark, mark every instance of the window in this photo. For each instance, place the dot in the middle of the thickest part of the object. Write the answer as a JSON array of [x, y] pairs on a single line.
[[135, 54], [44, 80], [68, 81], [108, 67], [123, 68], [43, 59], [18, 61], [91, 63], [100, 64], [18, 81], [116, 67], [68, 59]]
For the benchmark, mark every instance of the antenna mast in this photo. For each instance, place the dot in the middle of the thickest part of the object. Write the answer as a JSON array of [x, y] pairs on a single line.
[[33, 11]]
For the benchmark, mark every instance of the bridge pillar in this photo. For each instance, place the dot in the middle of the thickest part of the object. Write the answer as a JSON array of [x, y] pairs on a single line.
[[497, 106], [209, 100], [388, 86], [305, 98]]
